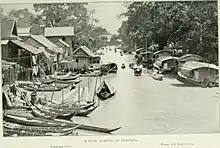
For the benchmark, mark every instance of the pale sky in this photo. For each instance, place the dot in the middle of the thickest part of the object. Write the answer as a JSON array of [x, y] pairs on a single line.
[[106, 13]]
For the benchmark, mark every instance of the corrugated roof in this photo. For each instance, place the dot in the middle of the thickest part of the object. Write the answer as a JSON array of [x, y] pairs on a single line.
[[64, 43], [27, 47], [7, 28], [196, 65], [24, 30], [86, 50], [47, 43], [59, 31]]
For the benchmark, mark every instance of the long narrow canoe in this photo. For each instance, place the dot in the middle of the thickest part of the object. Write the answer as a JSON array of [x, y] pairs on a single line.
[[60, 115], [69, 81], [65, 78], [13, 126], [85, 112], [14, 132], [32, 121], [50, 88], [91, 127], [46, 115]]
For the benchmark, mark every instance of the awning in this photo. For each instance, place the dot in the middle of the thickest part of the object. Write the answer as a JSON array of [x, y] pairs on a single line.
[[4, 42], [27, 47]]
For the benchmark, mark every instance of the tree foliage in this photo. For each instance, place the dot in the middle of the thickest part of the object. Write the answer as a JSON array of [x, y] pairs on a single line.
[[191, 24], [61, 15]]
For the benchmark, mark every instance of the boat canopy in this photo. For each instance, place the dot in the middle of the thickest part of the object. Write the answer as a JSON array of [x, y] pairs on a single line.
[[105, 83], [160, 51], [196, 65]]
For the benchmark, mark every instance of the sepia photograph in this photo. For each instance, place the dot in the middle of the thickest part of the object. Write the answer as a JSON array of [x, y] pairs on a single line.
[[110, 68]]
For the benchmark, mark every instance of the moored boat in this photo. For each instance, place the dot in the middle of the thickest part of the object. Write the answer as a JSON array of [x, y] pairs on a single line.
[[123, 66], [66, 78], [137, 70], [105, 91], [32, 121], [9, 127], [198, 74], [66, 114], [166, 64], [85, 112]]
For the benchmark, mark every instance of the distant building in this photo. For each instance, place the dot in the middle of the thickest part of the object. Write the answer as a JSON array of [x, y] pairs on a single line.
[[83, 57], [12, 47], [63, 34], [23, 33], [14, 50]]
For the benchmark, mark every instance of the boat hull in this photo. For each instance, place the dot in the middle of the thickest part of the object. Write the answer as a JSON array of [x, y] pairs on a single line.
[[85, 112], [187, 81], [32, 121]]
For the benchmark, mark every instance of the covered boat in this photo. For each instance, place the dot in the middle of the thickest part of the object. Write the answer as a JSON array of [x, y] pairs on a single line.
[[105, 91], [167, 64], [198, 73], [109, 68]]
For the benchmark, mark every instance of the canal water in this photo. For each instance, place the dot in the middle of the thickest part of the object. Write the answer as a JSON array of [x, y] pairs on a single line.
[[143, 106]]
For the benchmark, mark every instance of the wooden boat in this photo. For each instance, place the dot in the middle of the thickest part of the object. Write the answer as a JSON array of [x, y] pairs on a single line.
[[65, 78], [166, 64], [79, 105], [49, 88], [109, 68], [32, 121], [12, 127], [85, 112], [90, 127], [46, 115], [14, 133], [60, 114], [198, 74], [105, 91], [69, 81]]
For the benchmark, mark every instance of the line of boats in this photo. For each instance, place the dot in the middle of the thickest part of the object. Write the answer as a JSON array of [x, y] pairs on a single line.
[[44, 115], [189, 69]]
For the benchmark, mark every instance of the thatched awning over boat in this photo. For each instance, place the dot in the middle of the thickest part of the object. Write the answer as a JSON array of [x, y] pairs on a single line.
[[105, 83], [196, 65]]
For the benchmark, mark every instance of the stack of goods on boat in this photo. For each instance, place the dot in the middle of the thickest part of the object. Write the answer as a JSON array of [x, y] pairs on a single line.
[[198, 74]]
